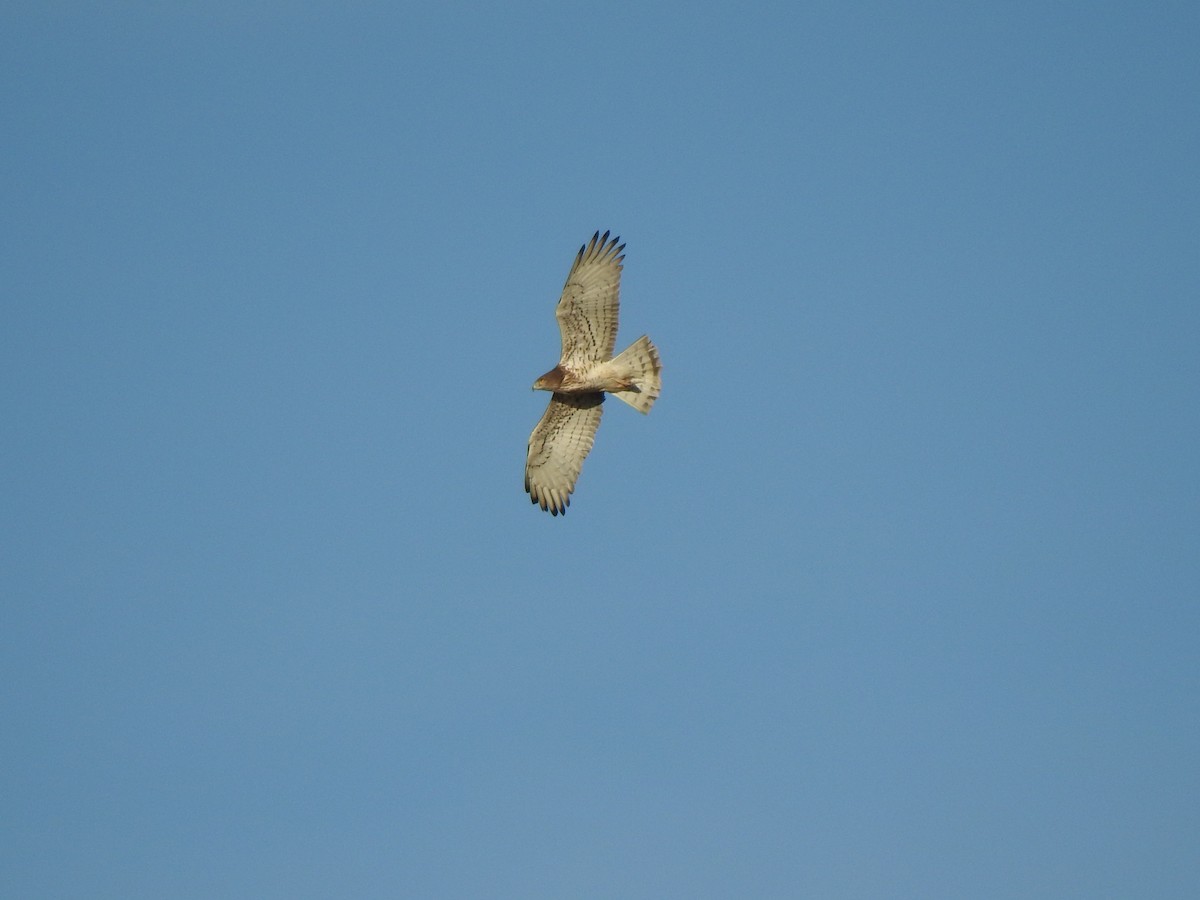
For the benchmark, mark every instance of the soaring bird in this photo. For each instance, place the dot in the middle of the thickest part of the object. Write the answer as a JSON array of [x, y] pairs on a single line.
[[587, 317]]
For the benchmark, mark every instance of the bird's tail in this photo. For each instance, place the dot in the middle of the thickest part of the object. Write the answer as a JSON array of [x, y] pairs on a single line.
[[639, 365]]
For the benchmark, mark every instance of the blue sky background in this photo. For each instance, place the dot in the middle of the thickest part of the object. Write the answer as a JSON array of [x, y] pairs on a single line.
[[895, 593]]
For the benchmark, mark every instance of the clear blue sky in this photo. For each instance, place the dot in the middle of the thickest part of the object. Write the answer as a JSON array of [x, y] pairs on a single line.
[[896, 593]]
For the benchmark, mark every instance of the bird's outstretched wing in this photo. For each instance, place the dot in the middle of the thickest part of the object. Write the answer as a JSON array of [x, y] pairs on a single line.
[[558, 446], [587, 311]]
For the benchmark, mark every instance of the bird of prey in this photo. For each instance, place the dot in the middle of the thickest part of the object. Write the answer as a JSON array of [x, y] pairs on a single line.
[[587, 369]]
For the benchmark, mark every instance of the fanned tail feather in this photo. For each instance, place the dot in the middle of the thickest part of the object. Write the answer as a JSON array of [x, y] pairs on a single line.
[[640, 365]]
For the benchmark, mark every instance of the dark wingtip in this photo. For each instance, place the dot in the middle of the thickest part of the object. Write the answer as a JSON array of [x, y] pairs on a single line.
[[601, 245]]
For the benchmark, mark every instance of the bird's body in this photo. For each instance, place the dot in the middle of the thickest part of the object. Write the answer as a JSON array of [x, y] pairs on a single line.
[[587, 317]]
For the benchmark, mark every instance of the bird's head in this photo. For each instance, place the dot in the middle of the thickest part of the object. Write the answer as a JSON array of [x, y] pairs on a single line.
[[551, 381]]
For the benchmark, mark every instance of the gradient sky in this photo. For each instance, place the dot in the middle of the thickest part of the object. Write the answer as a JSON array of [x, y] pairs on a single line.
[[896, 592]]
